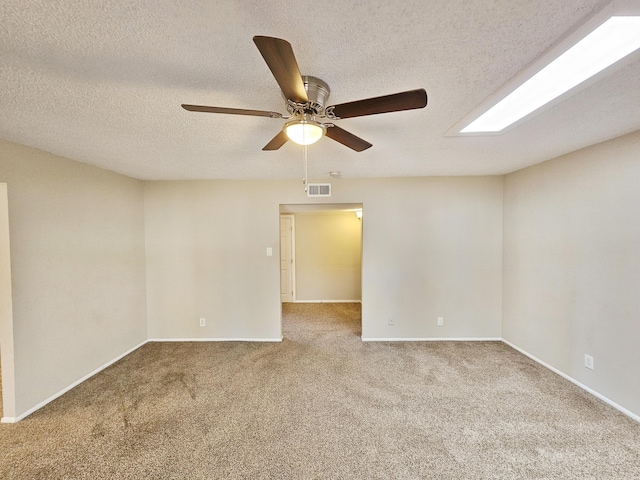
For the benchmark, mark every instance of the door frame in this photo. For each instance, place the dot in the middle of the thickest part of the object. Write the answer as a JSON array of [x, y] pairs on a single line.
[[6, 314], [292, 209]]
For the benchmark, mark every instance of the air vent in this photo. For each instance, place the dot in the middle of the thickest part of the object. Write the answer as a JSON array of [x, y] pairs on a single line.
[[319, 190]]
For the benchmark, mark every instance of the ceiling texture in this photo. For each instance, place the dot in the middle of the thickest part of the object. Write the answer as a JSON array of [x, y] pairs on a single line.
[[102, 81]]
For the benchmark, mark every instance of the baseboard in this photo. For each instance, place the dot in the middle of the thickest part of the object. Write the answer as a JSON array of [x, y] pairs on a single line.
[[215, 339], [66, 389], [431, 339], [606, 400], [327, 301]]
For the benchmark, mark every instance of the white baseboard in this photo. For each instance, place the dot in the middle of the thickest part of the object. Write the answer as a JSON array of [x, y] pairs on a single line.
[[66, 389], [575, 382], [432, 339], [327, 301], [215, 339]]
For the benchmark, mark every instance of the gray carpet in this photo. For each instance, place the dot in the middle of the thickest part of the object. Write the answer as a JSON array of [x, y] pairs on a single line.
[[323, 405]]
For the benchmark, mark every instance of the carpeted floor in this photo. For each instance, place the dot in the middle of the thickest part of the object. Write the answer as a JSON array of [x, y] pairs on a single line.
[[323, 405]]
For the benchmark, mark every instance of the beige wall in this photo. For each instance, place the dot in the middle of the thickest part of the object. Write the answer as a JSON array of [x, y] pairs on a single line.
[[77, 269], [206, 258], [6, 308], [328, 256], [431, 247], [572, 266], [566, 251]]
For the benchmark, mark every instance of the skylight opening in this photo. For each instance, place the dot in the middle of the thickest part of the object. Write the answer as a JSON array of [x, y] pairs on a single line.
[[616, 38]]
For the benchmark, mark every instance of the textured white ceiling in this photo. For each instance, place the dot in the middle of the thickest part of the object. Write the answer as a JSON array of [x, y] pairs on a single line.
[[101, 82]]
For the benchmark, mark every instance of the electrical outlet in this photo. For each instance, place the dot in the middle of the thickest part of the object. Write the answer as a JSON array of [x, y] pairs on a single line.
[[440, 321], [203, 322], [588, 361], [392, 321], [269, 251]]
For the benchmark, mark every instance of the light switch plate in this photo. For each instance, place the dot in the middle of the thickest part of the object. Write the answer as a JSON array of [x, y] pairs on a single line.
[[588, 362]]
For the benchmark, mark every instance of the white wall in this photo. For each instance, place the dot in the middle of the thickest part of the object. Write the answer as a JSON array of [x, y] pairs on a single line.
[[431, 247], [328, 256], [77, 269], [572, 266]]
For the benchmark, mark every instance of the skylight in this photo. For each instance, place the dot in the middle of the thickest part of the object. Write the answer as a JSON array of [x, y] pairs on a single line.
[[616, 38]]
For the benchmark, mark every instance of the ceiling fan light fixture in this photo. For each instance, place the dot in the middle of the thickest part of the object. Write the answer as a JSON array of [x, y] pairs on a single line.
[[304, 130]]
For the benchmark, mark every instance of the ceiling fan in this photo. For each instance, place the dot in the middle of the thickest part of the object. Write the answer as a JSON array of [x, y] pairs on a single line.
[[306, 98]]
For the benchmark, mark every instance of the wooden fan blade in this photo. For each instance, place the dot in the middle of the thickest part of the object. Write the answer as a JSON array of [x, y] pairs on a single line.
[[388, 103], [277, 141], [281, 61], [348, 139], [232, 111]]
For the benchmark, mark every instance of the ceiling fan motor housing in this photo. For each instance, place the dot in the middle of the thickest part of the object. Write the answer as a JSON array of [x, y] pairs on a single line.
[[318, 93]]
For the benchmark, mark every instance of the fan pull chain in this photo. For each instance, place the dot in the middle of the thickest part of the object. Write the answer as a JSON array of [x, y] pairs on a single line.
[[304, 156]]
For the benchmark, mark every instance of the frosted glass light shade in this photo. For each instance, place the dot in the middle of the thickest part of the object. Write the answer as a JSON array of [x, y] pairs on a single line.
[[303, 131]]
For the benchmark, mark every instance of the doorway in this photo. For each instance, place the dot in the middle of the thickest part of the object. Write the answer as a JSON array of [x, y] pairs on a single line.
[[321, 254]]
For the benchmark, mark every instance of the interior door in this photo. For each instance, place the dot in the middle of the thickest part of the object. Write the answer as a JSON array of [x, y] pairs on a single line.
[[286, 258]]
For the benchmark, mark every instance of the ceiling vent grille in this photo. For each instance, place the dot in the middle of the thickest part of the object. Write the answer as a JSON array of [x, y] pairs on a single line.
[[319, 190]]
